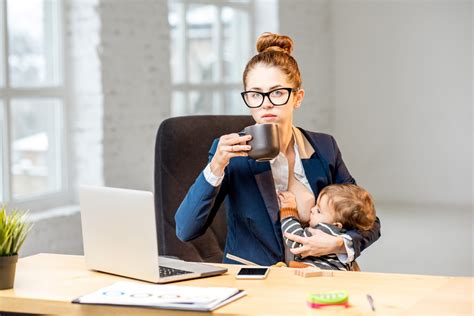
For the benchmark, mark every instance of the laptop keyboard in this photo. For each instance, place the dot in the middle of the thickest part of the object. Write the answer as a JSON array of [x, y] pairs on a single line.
[[167, 272]]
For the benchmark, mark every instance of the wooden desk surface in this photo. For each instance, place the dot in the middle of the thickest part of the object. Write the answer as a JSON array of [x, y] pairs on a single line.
[[46, 283]]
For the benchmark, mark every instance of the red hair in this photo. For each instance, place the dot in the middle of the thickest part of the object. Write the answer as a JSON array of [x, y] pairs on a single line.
[[274, 50]]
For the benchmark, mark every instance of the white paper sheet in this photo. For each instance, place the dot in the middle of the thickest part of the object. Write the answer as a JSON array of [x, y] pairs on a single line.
[[162, 296]]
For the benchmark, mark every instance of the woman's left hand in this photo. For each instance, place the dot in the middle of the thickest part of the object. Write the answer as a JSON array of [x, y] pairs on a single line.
[[319, 244]]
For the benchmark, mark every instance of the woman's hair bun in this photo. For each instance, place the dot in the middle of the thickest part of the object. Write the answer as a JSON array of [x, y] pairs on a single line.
[[274, 42]]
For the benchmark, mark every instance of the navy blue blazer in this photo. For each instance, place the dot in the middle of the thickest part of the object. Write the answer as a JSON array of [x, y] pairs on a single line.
[[253, 224]]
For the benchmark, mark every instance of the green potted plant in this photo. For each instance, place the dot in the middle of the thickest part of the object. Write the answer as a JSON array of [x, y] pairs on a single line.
[[13, 230]]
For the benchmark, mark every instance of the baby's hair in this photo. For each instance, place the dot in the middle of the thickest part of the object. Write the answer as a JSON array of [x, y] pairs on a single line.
[[275, 50], [354, 206]]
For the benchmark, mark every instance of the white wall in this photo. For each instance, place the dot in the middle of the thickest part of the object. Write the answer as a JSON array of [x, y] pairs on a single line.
[[421, 240], [403, 115], [403, 98], [392, 81], [307, 22]]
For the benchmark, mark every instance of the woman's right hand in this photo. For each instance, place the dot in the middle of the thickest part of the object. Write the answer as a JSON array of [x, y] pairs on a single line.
[[229, 146]]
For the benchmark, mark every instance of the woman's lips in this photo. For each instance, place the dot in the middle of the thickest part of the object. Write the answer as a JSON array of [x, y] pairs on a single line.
[[268, 116]]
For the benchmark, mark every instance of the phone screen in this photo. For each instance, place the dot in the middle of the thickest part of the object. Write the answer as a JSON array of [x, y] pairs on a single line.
[[253, 271]]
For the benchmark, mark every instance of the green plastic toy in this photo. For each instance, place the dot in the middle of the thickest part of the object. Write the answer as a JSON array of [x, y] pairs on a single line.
[[328, 298]]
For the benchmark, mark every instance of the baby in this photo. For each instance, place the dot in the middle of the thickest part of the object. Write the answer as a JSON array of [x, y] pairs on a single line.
[[339, 207]]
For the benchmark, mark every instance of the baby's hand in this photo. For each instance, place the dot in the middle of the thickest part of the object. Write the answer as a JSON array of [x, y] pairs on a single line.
[[287, 199]]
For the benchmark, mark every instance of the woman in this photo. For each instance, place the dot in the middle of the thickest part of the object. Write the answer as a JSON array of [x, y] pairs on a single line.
[[307, 163]]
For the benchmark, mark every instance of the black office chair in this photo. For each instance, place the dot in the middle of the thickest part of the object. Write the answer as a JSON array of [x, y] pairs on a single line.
[[181, 152]]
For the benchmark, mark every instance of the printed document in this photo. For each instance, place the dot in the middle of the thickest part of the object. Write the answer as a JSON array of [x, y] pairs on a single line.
[[162, 296]]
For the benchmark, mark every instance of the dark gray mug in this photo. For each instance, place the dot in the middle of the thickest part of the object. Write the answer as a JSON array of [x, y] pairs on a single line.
[[265, 141]]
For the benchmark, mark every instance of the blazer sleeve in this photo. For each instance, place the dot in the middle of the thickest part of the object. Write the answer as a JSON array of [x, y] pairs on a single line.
[[360, 239], [199, 206]]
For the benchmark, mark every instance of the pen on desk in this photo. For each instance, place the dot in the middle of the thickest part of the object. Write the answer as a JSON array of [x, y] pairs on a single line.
[[238, 259], [371, 302]]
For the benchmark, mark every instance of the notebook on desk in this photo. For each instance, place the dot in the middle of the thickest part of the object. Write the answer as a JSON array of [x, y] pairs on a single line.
[[120, 237]]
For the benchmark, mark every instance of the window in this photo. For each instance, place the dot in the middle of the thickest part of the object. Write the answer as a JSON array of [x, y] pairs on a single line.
[[32, 94], [211, 41]]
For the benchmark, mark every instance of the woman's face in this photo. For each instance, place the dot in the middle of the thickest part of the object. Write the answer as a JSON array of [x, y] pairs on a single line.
[[265, 78]]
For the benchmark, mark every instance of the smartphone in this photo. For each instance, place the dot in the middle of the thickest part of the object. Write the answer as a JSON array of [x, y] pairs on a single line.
[[253, 273]]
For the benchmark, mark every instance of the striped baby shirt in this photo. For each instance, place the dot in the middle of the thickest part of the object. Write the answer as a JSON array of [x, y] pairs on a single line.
[[290, 224]]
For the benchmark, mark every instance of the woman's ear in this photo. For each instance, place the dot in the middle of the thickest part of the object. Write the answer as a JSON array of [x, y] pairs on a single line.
[[338, 225], [299, 95]]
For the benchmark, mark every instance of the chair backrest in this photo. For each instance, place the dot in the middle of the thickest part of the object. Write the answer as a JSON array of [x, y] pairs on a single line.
[[181, 152]]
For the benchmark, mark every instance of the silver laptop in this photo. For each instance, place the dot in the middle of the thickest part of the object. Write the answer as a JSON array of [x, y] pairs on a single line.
[[119, 235]]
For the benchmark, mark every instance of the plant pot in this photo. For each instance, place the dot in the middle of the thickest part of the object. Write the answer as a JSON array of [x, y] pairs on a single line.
[[7, 271]]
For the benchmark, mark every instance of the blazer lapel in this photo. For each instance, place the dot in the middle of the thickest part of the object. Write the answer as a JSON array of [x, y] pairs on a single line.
[[314, 167], [316, 174], [264, 178]]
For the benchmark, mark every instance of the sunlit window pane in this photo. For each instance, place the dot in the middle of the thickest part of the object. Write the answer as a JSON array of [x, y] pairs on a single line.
[[177, 41], [2, 72], [234, 103], [235, 43], [210, 45], [35, 157], [34, 43], [202, 102], [201, 56], [179, 104]]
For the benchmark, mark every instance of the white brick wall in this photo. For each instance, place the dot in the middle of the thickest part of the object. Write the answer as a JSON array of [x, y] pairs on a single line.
[[85, 99], [118, 65], [134, 58]]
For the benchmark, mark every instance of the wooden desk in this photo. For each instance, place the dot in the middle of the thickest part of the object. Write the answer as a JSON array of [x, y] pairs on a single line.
[[46, 283]]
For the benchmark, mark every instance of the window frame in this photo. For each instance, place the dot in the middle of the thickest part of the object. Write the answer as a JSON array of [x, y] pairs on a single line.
[[62, 196], [217, 86]]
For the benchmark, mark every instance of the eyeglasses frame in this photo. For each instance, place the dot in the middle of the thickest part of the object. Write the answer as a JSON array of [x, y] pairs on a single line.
[[267, 94]]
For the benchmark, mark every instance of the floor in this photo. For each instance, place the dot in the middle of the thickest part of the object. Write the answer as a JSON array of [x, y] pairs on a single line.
[[421, 240]]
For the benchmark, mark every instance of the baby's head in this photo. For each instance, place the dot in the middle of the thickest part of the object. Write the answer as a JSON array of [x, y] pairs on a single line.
[[346, 205]]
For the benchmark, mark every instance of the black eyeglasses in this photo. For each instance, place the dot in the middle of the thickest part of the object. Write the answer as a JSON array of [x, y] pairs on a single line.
[[254, 99]]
